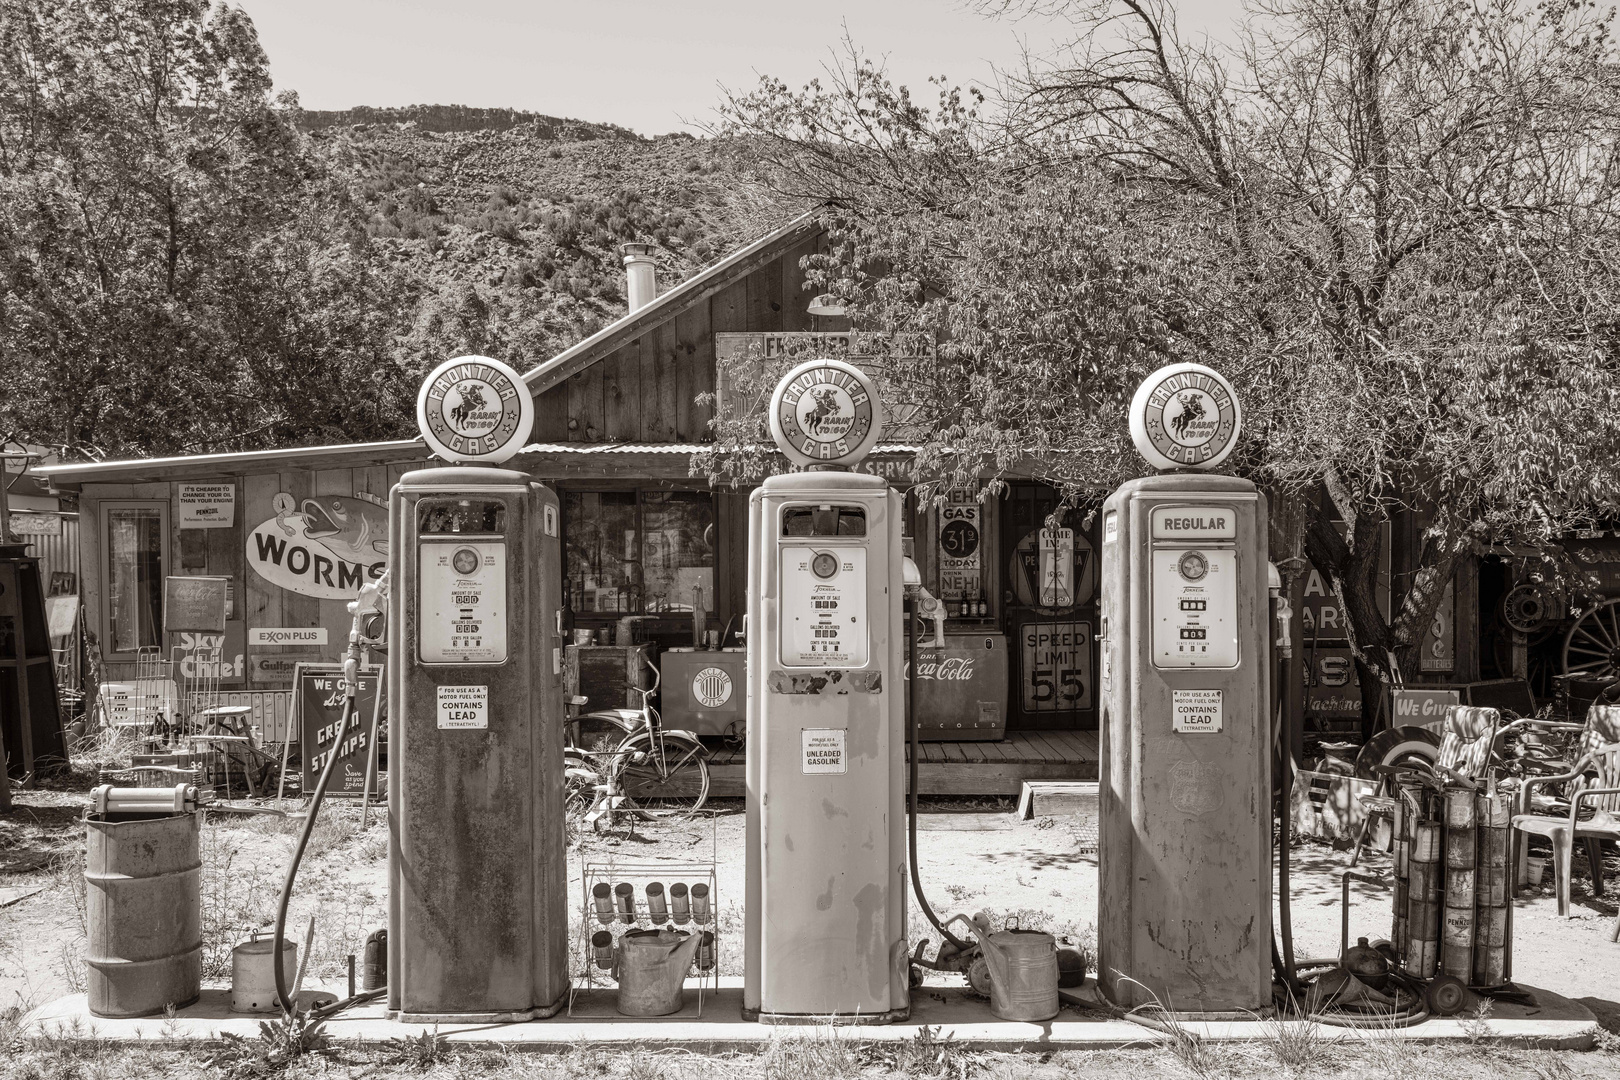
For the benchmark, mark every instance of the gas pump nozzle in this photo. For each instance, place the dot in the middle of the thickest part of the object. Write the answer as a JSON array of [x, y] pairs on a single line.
[[369, 628], [924, 603]]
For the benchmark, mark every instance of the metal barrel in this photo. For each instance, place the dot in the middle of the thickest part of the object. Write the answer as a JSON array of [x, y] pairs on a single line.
[[1423, 906], [1457, 942], [143, 913]]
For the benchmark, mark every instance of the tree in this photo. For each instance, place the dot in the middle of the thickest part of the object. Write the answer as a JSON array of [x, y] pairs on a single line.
[[1392, 223], [180, 271]]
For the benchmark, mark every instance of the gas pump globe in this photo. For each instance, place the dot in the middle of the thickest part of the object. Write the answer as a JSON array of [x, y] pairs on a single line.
[[1184, 911]]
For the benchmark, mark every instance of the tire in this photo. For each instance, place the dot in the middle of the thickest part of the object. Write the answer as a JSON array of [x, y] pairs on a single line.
[[1445, 996], [675, 786], [1398, 746]]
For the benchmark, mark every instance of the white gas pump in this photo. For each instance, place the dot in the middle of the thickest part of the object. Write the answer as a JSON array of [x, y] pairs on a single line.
[[478, 926], [1184, 899], [826, 897]]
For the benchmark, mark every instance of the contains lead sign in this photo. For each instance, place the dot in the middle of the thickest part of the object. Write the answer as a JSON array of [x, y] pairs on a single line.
[[1196, 711], [463, 707]]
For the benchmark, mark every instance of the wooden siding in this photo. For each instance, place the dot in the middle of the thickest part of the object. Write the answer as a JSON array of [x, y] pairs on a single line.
[[647, 389]]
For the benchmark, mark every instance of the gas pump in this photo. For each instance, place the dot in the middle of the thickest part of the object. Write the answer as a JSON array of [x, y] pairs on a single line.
[[477, 872], [1184, 912], [826, 887]]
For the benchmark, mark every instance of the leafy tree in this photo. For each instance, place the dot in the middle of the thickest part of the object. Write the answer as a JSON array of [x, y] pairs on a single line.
[[1390, 222], [178, 271]]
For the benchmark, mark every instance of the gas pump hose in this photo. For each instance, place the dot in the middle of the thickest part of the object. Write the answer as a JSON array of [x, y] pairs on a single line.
[[908, 685], [351, 670]]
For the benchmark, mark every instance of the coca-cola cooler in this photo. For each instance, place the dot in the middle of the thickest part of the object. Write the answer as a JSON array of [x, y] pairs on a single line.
[[703, 690], [962, 687]]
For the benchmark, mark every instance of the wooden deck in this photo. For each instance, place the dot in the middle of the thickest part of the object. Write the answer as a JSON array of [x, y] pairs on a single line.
[[965, 768]]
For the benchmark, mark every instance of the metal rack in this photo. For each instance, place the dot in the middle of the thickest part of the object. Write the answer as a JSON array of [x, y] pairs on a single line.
[[632, 912]]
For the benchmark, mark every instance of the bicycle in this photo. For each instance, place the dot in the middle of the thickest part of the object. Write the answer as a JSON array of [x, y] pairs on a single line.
[[648, 772]]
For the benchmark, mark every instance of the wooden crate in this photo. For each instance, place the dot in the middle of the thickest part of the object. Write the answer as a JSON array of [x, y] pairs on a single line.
[[606, 674]]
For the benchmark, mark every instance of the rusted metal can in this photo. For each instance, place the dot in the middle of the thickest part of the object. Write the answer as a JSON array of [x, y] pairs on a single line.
[[624, 900], [602, 949], [1490, 929], [602, 897], [1490, 887], [705, 956], [657, 908], [1425, 843], [680, 907], [374, 966], [1490, 966], [1460, 887], [1457, 942], [1421, 956], [700, 903], [1423, 884]]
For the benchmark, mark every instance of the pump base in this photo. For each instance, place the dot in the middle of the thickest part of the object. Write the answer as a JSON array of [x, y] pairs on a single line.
[[520, 1016], [893, 1016]]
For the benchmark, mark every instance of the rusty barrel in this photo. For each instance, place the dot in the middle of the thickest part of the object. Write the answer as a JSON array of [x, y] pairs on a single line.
[[1457, 929], [1423, 899], [143, 908], [1494, 813]]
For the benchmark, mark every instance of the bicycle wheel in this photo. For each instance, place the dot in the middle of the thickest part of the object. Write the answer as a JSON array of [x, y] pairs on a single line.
[[666, 775]]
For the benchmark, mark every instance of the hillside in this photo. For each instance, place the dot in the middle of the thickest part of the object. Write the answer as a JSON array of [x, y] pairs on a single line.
[[507, 228]]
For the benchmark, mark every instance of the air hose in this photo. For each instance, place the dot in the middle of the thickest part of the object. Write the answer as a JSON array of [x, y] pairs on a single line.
[[909, 685]]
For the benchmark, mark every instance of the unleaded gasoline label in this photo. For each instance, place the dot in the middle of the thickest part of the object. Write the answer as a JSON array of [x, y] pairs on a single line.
[[1196, 710], [464, 708], [824, 750]]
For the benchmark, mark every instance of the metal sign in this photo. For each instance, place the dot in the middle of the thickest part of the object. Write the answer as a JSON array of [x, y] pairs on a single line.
[[475, 410], [823, 606], [825, 412], [462, 617], [318, 697], [1196, 711], [206, 506], [326, 546], [1195, 608], [1185, 416]]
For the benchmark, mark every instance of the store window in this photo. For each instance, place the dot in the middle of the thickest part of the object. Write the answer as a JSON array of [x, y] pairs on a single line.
[[639, 552], [136, 550]]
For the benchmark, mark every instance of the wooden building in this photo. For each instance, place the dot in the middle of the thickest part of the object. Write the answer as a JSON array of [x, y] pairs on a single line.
[[619, 417]]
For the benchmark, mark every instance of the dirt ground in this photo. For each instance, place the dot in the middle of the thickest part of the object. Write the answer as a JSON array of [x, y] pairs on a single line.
[[973, 856]]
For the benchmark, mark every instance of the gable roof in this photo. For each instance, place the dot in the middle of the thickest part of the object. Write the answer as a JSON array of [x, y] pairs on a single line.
[[734, 267]]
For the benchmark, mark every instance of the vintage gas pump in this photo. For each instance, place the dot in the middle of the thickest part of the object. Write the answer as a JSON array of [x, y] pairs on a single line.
[[1184, 911], [477, 871], [826, 898]]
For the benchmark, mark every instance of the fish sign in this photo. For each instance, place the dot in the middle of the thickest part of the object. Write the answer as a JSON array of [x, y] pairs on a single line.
[[326, 547]]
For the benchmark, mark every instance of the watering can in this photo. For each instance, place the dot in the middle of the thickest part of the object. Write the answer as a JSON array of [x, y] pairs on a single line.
[[651, 967], [1023, 970]]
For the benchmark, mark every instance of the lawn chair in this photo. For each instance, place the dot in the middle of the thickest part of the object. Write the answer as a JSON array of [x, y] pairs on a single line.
[[1591, 811]]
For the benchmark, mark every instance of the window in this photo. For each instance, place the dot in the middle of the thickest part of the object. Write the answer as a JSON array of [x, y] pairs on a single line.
[[639, 552], [136, 550]]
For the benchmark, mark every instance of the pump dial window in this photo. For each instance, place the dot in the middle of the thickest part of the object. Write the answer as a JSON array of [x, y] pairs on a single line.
[[465, 561], [824, 565], [1193, 566]]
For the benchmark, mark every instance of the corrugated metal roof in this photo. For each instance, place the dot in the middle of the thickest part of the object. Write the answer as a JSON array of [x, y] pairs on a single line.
[[245, 460], [669, 448]]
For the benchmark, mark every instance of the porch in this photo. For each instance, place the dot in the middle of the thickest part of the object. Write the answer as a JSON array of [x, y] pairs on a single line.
[[964, 768]]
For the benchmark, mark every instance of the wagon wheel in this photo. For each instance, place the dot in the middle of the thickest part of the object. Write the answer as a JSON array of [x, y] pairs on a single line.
[[1592, 643]]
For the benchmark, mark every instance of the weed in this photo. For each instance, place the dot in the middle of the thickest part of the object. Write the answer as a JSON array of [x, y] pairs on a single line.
[[1299, 1045], [926, 1054], [1551, 1065], [281, 1042], [960, 893], [1477, 1027], [423, 1052], [1392, 1054], [822, 1055]]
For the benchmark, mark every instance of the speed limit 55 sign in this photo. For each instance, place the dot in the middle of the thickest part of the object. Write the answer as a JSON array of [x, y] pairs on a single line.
[[1056, 666]]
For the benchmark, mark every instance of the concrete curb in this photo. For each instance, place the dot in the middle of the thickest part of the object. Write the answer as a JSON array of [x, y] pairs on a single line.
[[952, 1012]]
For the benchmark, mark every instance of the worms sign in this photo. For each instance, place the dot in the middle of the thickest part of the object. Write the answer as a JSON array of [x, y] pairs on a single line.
[[326, 547]]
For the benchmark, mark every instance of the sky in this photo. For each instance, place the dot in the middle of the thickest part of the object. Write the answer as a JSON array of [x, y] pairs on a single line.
[[654, 66]]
